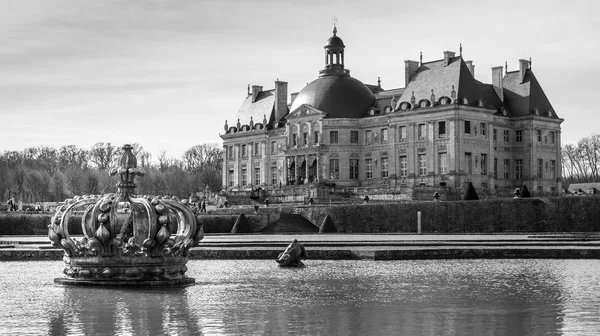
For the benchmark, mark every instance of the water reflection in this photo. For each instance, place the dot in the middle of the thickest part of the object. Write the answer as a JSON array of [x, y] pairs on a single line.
[[111, 311], [241, 297]]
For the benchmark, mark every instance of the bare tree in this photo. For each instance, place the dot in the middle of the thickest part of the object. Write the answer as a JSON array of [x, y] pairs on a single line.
[[71, 156], [58, 186], [102, 155], [34, 183], [203, 156], [18, 176]]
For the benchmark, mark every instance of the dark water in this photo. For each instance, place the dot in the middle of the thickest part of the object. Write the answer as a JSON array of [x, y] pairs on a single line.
[[255, 297]]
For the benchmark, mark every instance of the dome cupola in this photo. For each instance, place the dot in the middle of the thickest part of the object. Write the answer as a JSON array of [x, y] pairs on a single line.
[[334, 56]]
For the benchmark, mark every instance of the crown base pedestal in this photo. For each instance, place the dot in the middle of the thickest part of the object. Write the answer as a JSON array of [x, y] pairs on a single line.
[[125, 283], [125, 271]]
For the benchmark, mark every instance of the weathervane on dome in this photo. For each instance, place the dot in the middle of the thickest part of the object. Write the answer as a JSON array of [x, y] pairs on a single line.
[[335, 20]]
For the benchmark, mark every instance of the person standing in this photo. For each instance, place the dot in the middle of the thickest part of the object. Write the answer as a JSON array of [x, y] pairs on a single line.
[[203, 206]]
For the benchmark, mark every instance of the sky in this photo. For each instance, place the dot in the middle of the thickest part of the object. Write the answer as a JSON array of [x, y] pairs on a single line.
[[167, 74]]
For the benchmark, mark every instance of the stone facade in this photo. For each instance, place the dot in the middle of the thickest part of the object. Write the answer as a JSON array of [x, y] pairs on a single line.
[[443, 129]]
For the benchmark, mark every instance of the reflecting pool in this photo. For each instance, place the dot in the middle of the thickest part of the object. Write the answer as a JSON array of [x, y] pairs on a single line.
[[256, 297]]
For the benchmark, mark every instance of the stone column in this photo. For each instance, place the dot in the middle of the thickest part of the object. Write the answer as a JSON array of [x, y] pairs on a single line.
[[307, 168], [296, 170]]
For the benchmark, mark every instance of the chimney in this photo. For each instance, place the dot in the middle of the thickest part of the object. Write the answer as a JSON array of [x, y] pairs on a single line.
[[523, 66], [471, 68], [410, 69], [447, 56], [293, 95], [497, 81], [280, 99], [256, 89]]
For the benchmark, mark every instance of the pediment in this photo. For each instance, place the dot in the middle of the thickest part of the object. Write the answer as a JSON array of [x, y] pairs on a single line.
[[305, 110]]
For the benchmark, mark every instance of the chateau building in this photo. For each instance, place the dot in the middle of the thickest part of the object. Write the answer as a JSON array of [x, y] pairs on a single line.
[[443, 129]]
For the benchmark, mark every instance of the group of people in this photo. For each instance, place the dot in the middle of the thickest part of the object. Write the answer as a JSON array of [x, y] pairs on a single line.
[[201, 206], [11, 204]]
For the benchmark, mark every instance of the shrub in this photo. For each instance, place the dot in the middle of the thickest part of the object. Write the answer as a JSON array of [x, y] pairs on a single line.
[[471, 194]]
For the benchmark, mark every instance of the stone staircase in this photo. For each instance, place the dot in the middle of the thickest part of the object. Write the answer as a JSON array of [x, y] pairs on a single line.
[[292, 223]]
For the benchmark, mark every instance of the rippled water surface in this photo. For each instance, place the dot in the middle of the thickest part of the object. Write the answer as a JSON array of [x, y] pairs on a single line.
[[255, 297]]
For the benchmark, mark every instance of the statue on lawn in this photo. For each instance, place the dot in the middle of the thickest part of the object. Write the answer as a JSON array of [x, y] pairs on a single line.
[[292, 255]]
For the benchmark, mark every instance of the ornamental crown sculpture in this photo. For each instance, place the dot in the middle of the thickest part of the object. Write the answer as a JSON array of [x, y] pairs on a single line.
[[127, 239]]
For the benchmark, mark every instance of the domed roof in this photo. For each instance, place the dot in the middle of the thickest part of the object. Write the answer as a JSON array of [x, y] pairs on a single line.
[[339, 96], [335, 41]]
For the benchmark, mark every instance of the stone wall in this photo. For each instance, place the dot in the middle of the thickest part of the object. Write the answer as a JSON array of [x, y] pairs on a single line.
[[559, 214]]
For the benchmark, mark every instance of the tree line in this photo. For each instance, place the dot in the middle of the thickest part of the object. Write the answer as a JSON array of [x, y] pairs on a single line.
[[581, 161], [47, 174]]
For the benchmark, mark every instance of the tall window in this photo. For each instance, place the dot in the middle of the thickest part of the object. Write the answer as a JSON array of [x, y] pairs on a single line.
[[483, 164], [552, 169], [256, 176], [519, 169], [443, 163], [506, 136], [334, 169], [469, 163], [305, 138], [354, 137], [384, 135], [540, 167], [244, 176], [368, 137], [230, 152], [421, 131], [369, 167], [507, 169], [403, 166], [294, 139], [256, 149], [231, 178], [467, 127], [519, 136], [483, 128], [244, 153], [552, 137], [333, 137], [273, 147], [316, 137], [538, 135], [354, 169], [495, 167], [495, 134], [384, 167], [422, 164], [402, 133], [441, 129], [273, 175]]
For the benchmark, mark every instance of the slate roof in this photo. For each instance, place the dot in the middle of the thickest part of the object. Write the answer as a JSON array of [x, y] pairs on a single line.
[[523, 96], [374, 88], [441, 79], [264, 105], [384, 98]]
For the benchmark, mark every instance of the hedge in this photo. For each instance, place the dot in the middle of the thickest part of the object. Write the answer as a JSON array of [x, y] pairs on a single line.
[[571, 214], [26, 224], [558, 214]]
